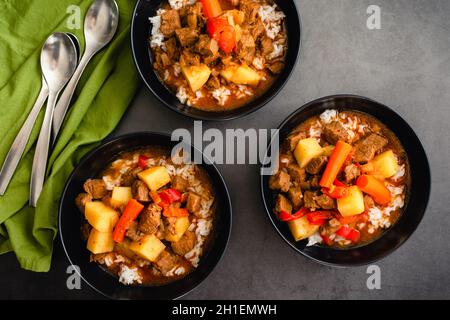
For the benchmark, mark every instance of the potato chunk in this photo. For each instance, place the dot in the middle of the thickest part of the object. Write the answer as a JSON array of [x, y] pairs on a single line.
[[306, 150], [179, 228], [149, 247], [121, 195], [242, 74], [301, 228], [100, 242], [100, 216], [352, 204], [385, 164], [155, 177], [196, 76]]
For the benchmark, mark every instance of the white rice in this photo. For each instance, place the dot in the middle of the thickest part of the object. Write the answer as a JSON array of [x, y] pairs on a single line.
[[203, 229], [314, 239], [272, 19], [182, 94], [258, 63], [157, 38], [400, 173], [128, 275], [243, 91], [110, 182], [278, 49], [328, 115], [175, 271], [176, 4], [315, 131], [221, 95]]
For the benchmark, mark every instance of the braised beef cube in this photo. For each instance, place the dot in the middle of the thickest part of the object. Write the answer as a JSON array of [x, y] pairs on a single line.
[[206, 46], [129, 177], [368, 202], [309, 200], [258, 29], [133, 232], [172, 49], [351, 172], [296, 197], [96, 188], [250, 9], [185, 244], [140, 191], [170, 21], [298, 175], [167, 261], [316, 165], [315, 182], [325, 202], [246, 48], [266, 46], [150, 219], [282, 204], [213, 82], [186, 36], [367, 147], [294, 138], [305, 185], [335, 131], [82, 199], [331, 227], [189, 58], [193, 202], [280, 181], [276, 67], [180, 184]]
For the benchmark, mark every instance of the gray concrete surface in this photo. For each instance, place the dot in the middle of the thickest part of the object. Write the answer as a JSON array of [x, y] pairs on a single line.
[[405, 65]]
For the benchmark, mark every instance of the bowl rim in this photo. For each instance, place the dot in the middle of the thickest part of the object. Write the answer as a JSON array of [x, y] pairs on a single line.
[[115, 139], [214, 116], [387, 252]]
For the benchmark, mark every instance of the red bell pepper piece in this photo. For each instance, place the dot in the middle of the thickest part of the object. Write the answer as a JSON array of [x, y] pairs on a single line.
[[142, 161], [338, 183], [157, 199], [171, 211], [170, 195], [319, 217], [353, 219], [335, 192], [285, 216], [326, 239], [348, 233], [130, 214], [227, 40]]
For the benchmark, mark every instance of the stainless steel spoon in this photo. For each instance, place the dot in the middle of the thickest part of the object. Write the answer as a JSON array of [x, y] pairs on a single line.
[[100, 25], [18, 146], [58, 63]]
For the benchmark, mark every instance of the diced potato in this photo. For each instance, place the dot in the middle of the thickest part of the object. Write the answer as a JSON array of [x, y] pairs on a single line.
[[301, 228], [327, 150], [100, 216], [385, 164], [352, 204], [196, 76], [242, 74], [155, 177], [149, 247], [234, 16], [100, 242], [306, 150], [181, 225], [121, 195]]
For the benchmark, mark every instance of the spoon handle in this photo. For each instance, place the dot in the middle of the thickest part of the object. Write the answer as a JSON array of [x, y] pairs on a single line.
[[41, 152], [64, 101], [17, 148]]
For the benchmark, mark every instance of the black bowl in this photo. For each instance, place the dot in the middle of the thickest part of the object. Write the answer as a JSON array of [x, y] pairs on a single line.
[[413, 210], [140, 30], [70, 220]]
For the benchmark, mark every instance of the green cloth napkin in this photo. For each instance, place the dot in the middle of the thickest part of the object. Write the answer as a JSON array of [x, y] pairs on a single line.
[[102, 96]]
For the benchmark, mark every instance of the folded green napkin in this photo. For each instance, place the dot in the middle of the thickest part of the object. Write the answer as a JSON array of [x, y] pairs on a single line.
[[102, 96]]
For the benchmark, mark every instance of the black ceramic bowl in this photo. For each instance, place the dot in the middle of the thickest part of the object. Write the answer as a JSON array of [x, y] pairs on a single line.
[[70, 220], [413, 210], [140, 31]]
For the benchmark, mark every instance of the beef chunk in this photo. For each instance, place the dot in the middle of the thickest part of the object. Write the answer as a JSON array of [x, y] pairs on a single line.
[[298, 175], [325, 202], [96, 188], [172, 49], [282, 204], [170, 21], [266, 46], [276, 67], [193, 202], [166, 261], [250, 9], [189, 58], [335, 131], [294, 138], [309, 200], [331, 227], [367, 147], [206, 46], [296, 197], [257, 29], [185, 244], [186, 36], [150, 219], [280, 181], [180, 184], [213, 82], [316, 165], [351, 172], [311, 183], [246, 48], [140, 191], [82, 199], [368, 202], [129, 177], [133, 233]]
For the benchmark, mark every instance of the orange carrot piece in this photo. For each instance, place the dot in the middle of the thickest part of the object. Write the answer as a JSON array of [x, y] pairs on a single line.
[[130, 214], [211, 8], [375, 188], [334, 165]]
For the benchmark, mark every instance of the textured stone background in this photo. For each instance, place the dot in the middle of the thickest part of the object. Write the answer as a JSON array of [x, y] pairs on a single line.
[[405, 65]]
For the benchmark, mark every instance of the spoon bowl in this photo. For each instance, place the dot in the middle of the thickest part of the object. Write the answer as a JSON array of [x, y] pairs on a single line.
[[100, 23]]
